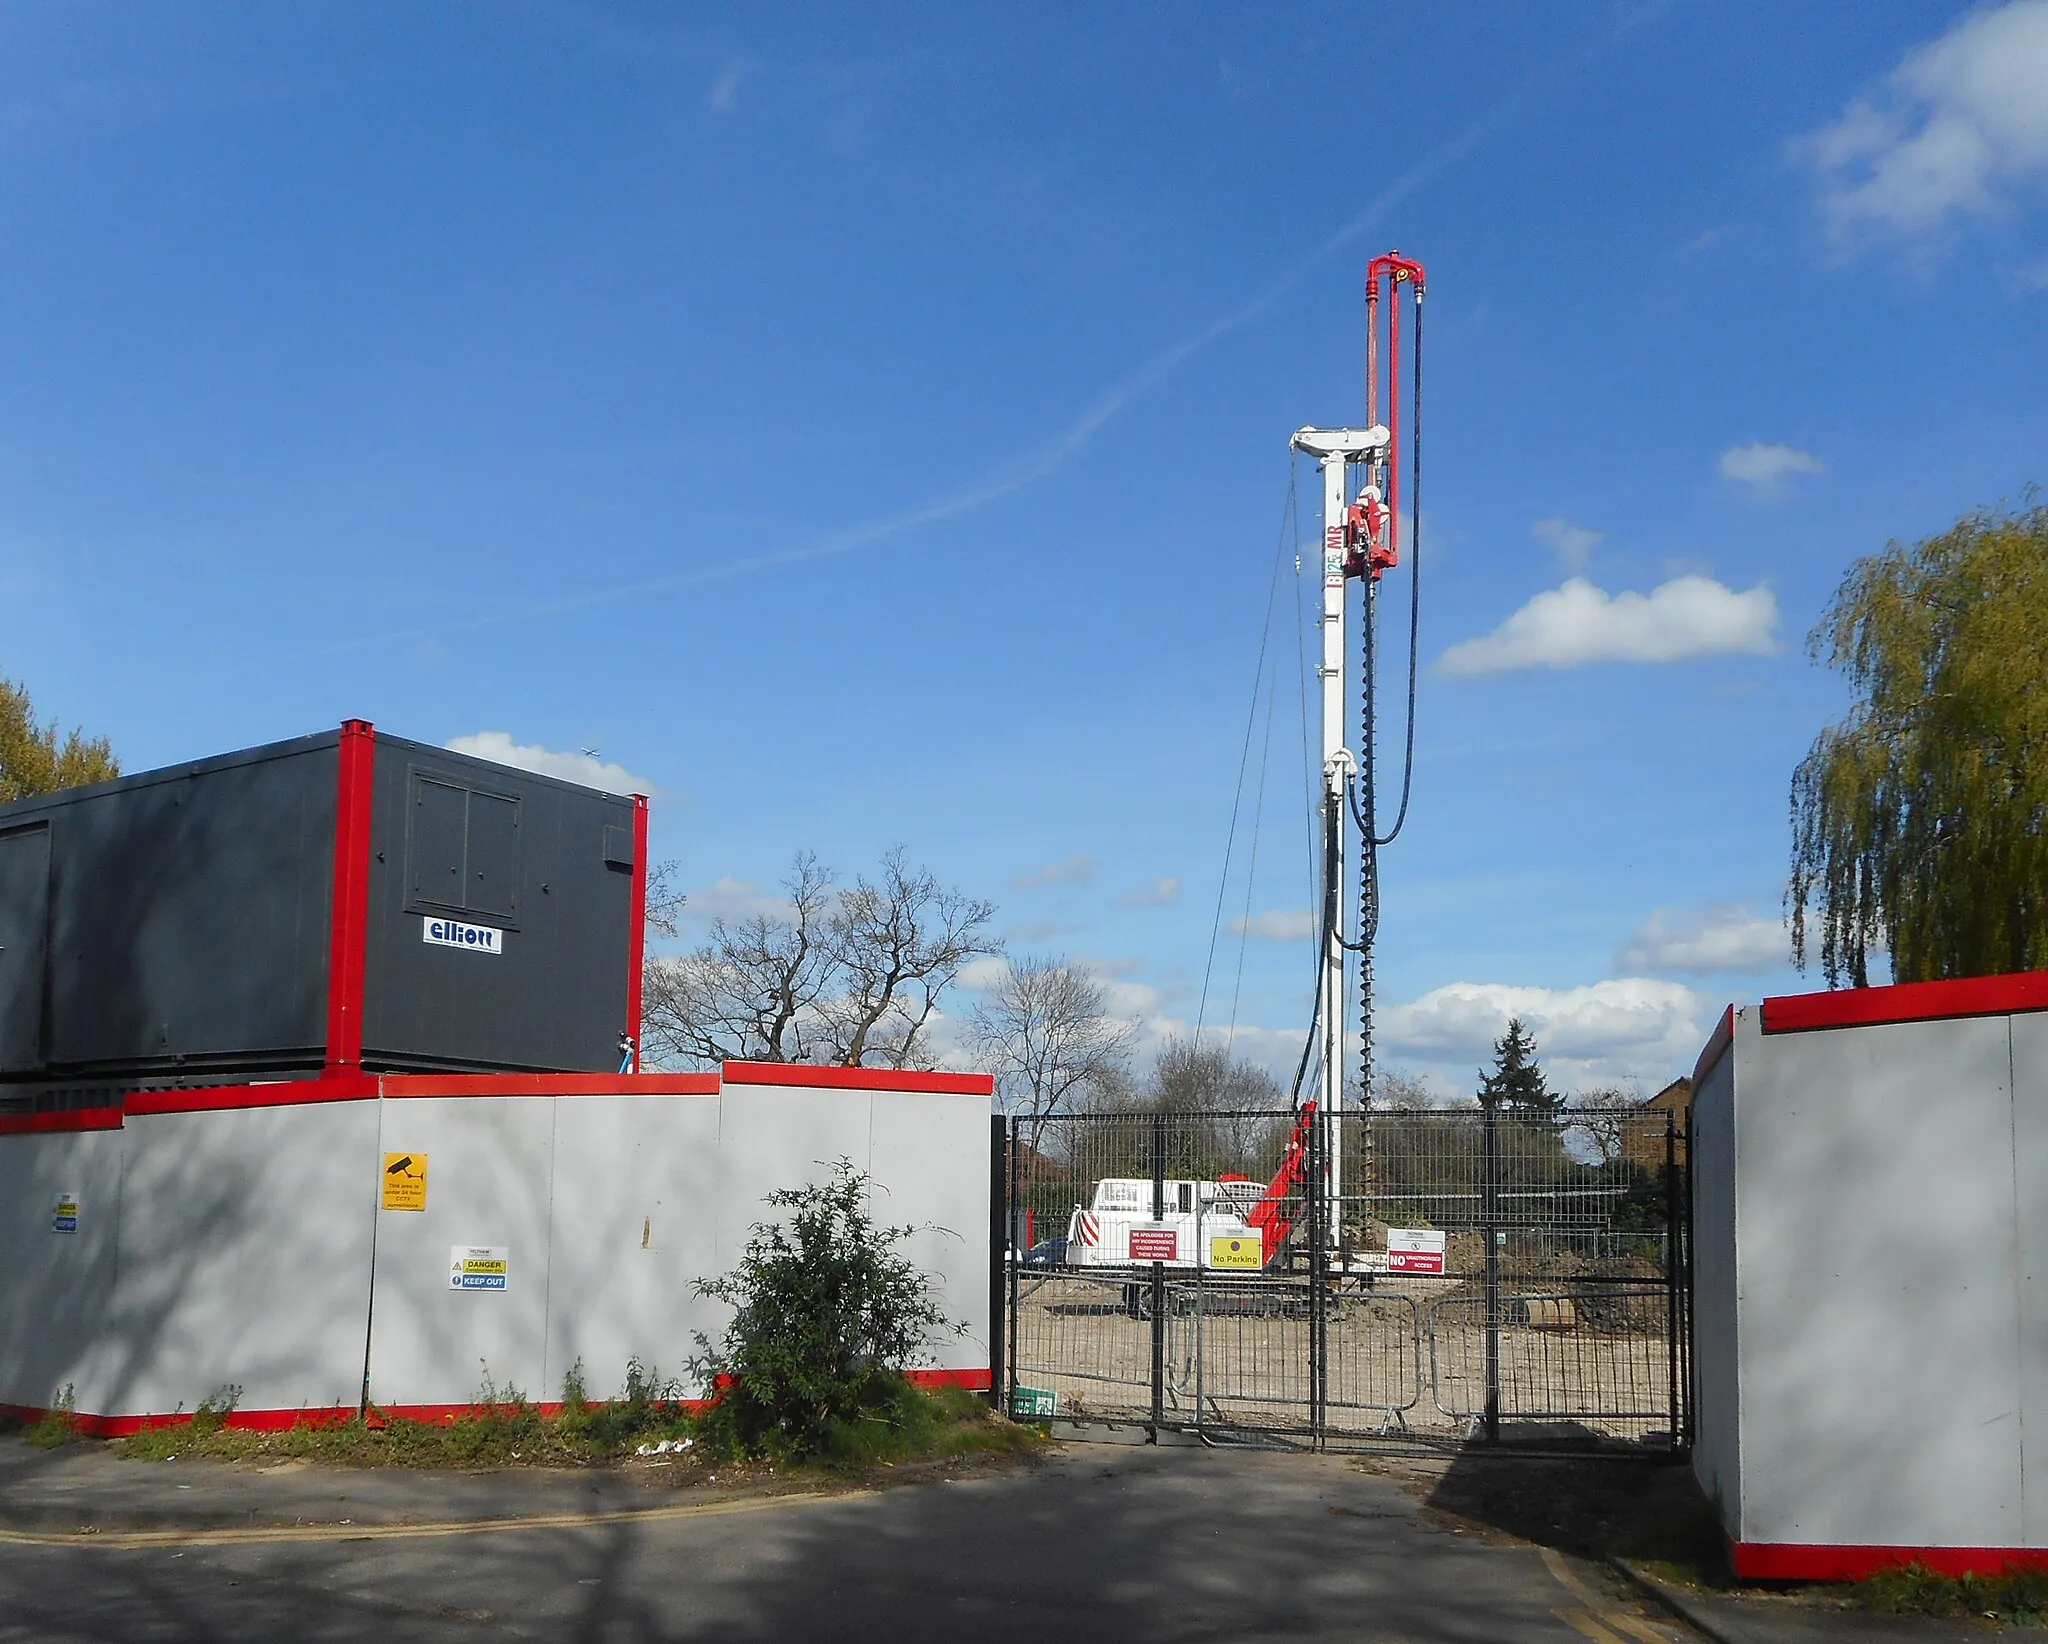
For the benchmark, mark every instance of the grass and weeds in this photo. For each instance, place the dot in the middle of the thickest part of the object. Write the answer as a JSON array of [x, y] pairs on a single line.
[[59, 1424], [505, 1429], [2018, 1596]]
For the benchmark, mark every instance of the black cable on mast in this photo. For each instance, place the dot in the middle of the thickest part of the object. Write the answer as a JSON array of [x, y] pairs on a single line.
[[1414, 575]]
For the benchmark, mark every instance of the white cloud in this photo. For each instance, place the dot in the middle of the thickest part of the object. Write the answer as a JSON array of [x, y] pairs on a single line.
[[979, 975], [1276, 925], [1621, 1029], [1706, 941], [1571, 626], [1574, 544], [1160, 893], [1959, 127], [725, 94], [1766, 468], [586, 768], [1077, 869], [735, 899]]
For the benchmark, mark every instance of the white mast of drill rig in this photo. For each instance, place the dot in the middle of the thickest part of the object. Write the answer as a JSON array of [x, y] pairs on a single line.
[[1361, 540], [1338, 451]]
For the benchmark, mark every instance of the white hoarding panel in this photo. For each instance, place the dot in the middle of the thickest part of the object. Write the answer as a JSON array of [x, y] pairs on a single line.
[[60, 1212], [244, 1260], [930, 1162], [1717, 1430], [2030, 1137], [635, 1224], [1875, 1230], [462, 1286], [773, 1137]]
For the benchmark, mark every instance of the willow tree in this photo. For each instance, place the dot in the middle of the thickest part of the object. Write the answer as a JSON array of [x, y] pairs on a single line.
[[35, 759], [1920, 822]]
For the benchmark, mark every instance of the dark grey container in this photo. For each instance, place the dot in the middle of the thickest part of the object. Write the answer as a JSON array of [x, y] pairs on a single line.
[[267, 914]]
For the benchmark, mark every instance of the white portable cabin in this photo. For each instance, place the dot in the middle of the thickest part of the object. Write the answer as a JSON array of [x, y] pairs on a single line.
[[1870, 1261]]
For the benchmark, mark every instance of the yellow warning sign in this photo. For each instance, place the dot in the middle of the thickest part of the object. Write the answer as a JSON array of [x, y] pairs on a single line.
[[405, 1181], [1245, 1251]]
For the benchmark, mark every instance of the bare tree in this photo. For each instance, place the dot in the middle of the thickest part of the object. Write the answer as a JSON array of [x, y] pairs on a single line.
[[850, 976], [1242, 1109], [1049, 1036], [750, 993]]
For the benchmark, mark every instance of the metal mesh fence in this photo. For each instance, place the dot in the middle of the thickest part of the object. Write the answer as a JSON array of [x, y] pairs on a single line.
[[1421, 1273]]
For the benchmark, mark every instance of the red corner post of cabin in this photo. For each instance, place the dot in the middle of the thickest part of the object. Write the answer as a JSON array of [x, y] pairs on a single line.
[[349, 925], [636, 938]]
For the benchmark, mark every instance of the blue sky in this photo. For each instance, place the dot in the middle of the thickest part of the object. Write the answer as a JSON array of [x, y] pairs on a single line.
[[869, 425]]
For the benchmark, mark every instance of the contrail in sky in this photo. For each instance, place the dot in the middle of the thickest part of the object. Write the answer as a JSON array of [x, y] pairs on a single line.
[[1003, 481]]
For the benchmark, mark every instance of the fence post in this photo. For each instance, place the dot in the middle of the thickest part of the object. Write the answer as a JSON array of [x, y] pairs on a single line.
[[1000, 1211], [1158, 1278], [1317, 1187], [1678, 1245], [1490, 1217]]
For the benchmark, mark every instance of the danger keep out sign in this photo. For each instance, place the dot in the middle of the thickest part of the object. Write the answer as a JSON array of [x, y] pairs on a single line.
[[479, 1266], [1415, 1250]]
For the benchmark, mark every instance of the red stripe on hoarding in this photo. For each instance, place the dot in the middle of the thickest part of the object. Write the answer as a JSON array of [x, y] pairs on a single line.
[[401, 1085], [636, 940], [1907, 1002], [859, 1078], [1717, 1046], [251, 1421], [975, 1381], [1778, 1561], [349, 923], [279, 1421], [75, 1119], [329, 1087]]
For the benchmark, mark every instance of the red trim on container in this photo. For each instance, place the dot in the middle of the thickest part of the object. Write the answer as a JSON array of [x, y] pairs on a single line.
[[43, 1124], [975, 1381], [329, 1087], [859, 1078], [349, 922], [401, 1085], [1779, 1561], [636, 937], [1907, 1002], [1717, 1046]]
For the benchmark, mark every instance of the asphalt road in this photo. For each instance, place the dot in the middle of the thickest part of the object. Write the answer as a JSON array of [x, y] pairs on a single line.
[[1131, 1545]]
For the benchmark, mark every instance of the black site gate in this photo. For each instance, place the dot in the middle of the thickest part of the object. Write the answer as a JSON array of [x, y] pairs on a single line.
[[1415, 1275]]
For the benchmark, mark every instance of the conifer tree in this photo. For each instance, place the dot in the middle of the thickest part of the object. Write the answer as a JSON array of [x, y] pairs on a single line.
[[1517, 1080]]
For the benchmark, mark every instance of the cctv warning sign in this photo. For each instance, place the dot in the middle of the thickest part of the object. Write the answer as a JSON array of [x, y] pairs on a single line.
[[405, 1181]]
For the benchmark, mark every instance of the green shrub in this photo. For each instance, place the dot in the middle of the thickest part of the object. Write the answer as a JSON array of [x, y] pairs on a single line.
[[826, 1316]]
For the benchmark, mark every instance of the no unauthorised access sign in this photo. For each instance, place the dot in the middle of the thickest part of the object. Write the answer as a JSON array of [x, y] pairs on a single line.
[[1415, 1250]]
